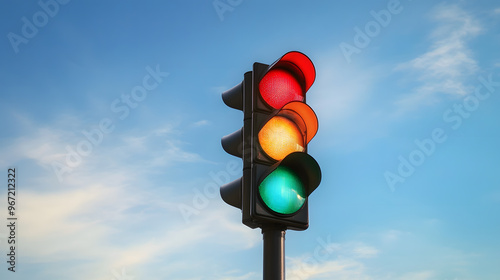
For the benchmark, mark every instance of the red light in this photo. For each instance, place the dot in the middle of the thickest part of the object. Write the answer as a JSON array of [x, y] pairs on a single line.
[[279, 86]]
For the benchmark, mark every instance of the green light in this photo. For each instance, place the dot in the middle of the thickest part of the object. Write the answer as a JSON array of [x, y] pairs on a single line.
[[282, 191]]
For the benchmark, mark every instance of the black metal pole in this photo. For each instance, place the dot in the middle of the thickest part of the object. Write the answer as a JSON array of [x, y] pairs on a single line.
[[274, 253]]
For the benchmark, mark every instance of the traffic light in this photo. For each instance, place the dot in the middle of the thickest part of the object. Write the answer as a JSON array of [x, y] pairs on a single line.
[[278, 174]]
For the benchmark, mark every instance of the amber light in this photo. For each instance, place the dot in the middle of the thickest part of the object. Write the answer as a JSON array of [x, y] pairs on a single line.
[[280, 137]]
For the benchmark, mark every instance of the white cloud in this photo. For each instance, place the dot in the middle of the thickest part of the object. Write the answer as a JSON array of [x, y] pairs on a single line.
[[446, 66], [343, 97], [391, 235], [47, 144], [341, 269], [57, 224], [420, 275], [84, 224], [218, 90], [381, 257], [338, 92], [332, 260], [364, 251], [250, 275], [167, 129], [41, 144], [107, 213], [178, 237], [201, 123], [346, 263]]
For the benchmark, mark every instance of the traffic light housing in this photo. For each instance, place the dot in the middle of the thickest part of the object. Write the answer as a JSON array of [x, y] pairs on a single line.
[[278, 174]]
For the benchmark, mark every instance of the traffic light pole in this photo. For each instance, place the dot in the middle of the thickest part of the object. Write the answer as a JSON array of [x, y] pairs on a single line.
[[274, 253]]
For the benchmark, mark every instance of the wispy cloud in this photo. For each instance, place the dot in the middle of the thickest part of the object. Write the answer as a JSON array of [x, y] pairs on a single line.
[[334, 260], [420, 275], [201, 123], [49, 143], [339, 92], [391, 235], [341, 97], [108, 213], [342, 269], [449, 62], [100, 224]]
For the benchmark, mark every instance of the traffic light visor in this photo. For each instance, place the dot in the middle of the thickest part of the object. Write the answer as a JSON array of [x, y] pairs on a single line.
[[304, 64], [287, 79], [304, 116], [288, 131]]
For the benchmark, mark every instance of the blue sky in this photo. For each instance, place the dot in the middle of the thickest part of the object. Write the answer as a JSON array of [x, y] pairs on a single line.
[[112, 116]]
